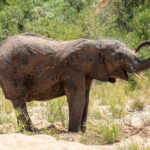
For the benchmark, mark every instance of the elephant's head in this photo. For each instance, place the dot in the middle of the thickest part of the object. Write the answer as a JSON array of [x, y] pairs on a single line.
[[107, 60]]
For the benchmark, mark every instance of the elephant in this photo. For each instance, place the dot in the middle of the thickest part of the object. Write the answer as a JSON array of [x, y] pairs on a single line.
[[33, 67]]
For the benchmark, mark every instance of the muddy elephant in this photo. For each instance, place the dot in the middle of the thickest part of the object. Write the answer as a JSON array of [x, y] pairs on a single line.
[[33, 67]]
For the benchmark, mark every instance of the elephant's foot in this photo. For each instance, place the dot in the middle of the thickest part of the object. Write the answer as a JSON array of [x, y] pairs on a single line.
[[29, 129], [83, 128]]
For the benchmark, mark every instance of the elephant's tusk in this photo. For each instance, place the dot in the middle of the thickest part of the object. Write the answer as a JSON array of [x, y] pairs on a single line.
[[139, 76], [133, 52]]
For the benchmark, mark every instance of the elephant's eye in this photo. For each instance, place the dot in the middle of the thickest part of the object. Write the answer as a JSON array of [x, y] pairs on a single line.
[[119, 56]]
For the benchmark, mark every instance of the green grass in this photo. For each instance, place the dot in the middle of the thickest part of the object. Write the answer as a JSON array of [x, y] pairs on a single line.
[[6, 110], [104, 132], [110, 132], [57, 111], [138, 104]]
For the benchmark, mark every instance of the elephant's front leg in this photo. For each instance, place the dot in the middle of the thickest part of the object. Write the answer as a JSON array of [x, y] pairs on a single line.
[[75, 92]]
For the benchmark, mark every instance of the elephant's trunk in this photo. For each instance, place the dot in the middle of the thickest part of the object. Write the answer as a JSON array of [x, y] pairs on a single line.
[[145, 64], [142, 65], [141, 45]]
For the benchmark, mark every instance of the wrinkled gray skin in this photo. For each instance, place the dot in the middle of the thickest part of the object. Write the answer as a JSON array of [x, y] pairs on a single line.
[[33, 67]]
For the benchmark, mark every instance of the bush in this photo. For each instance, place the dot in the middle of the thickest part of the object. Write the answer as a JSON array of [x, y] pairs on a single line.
[[141, 24]]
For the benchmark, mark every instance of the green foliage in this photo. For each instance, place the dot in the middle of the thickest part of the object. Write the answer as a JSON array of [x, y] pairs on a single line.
[[79, 4], [125, 20], [14, 15], [141, 24], [57, 19], [125, 11]]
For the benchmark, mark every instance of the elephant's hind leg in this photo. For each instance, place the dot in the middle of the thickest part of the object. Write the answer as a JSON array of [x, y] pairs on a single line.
[[17, 92], [23, 120]]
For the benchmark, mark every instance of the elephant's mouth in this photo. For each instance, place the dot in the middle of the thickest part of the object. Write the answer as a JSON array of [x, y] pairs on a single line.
[[122, 74], [136, 74], [126, 77]]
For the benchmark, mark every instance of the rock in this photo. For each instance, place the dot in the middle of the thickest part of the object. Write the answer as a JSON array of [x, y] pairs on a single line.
[[17, 141]]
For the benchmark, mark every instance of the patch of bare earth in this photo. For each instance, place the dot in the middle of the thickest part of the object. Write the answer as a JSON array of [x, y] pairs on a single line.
[[129, 130]]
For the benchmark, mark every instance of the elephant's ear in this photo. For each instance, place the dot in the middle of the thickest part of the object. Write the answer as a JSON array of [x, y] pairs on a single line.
[[75, 60], [86, 58]]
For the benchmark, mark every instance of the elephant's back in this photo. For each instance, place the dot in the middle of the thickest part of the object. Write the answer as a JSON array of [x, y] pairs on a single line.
[[28, 47], [23, 42], [24, 54]]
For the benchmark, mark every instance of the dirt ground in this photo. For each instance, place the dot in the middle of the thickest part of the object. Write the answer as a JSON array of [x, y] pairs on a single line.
[[135, 128]]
